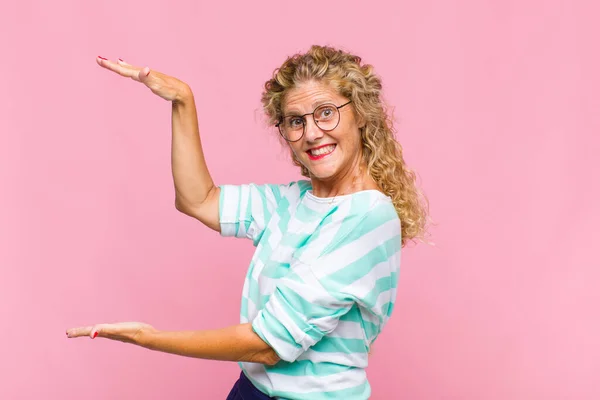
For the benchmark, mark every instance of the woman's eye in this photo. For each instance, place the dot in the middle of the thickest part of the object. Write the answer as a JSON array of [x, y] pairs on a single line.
[[295, 122], [326, 112]]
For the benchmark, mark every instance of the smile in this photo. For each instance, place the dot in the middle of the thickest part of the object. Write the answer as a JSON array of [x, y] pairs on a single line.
[[321, 152]]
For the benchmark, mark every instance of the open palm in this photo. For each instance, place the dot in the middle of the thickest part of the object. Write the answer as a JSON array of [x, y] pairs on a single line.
[[128, 332], [165, 86]]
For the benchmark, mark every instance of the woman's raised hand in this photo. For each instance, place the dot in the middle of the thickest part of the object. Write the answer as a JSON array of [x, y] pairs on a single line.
[[165, 86]]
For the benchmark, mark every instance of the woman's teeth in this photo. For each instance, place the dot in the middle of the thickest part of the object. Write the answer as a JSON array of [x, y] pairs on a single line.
[[322, 150]]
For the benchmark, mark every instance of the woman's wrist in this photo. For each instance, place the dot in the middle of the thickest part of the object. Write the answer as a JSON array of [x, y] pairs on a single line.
[[145, 337], [184, 95]]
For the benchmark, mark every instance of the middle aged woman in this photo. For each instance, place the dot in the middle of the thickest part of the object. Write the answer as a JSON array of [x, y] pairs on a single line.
[[322, 282]]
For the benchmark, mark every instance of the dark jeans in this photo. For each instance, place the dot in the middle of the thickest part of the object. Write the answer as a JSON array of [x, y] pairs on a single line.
[[243, 389]]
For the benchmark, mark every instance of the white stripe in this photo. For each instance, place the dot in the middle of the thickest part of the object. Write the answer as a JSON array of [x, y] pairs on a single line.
[[253, 368], [348, 330], [243, 202], [267, 285], [360, 360], [368, 316], [252, 310], [361, 287], [301, 227], [271, 200], [325, 324], [292, 193], [281, 253], [230, 202], [258, 267], [383, 298], [246, 287], [311, 289], [349, 253], [309, 383], [258, 213], [228, 213], [274, 231]]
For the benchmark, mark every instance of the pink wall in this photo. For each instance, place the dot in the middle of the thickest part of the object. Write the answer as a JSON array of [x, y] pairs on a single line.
[[498, 109]]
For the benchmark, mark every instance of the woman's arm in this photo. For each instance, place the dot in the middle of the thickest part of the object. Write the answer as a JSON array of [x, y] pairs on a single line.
[[195, 192], [235, 343]]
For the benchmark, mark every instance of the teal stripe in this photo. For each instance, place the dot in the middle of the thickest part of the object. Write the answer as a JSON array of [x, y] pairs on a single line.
[[358, 224], [273, 269], [244, 308], [264, 299], [340, 345], [247, 216], [359, 268], [285, 216], [381, 286], [299, 304], [307, 367], [353, 315], [253, 288]]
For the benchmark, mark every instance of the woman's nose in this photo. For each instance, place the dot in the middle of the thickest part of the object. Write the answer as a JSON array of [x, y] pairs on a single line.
[[313, 132]]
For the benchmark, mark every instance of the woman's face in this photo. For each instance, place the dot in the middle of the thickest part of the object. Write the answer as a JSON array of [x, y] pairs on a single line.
[[328, 155]]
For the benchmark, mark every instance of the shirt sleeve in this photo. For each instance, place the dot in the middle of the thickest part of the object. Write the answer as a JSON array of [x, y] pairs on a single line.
[[245, 210], [356, 265]]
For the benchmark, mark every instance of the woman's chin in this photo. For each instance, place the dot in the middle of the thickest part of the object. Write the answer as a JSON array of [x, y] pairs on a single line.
[[322, 173]]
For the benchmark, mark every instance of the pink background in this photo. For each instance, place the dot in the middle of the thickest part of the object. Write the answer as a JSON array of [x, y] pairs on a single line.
[[497, 104]]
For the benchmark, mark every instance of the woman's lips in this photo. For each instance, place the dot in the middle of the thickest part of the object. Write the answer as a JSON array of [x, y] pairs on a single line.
[[320, 156]]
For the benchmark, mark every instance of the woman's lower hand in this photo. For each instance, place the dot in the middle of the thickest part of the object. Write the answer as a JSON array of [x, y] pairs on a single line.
[[128, 332], [165, 86]]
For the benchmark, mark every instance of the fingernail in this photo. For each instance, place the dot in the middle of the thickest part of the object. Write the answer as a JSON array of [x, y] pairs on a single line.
[[102, 58], [95, 334], [120, 59], [148, 73]]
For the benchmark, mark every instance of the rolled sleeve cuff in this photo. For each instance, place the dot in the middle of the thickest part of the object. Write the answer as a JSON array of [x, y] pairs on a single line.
[[287, 332], [229, 203]]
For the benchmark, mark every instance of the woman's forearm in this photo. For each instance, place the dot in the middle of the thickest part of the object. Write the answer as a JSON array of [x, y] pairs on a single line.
[[235, 343], [191, 177]]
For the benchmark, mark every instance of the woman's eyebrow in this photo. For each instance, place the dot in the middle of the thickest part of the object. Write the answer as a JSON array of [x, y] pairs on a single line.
[[314, 105]]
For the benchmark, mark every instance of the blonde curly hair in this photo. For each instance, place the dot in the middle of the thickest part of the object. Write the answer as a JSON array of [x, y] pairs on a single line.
[[382, 154]]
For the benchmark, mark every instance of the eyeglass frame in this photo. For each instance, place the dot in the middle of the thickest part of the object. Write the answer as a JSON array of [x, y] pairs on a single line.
[[313, 116]]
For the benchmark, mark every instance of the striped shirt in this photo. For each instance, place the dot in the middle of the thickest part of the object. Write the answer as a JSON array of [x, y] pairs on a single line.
[[320, 286]]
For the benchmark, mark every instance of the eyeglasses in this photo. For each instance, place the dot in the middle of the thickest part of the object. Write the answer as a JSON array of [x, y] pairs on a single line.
[[326, 117]]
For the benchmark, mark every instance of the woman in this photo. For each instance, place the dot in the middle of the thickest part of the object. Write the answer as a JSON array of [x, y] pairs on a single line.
[[322, 282]]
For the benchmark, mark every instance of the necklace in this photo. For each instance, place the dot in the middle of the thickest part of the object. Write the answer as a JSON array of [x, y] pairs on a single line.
[[332, 199], [335, 197]]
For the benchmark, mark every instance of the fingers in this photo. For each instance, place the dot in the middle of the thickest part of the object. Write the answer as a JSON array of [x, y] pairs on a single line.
[[167, 87], [123, 68], [142, 73], [92, 331], [82, 331]]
